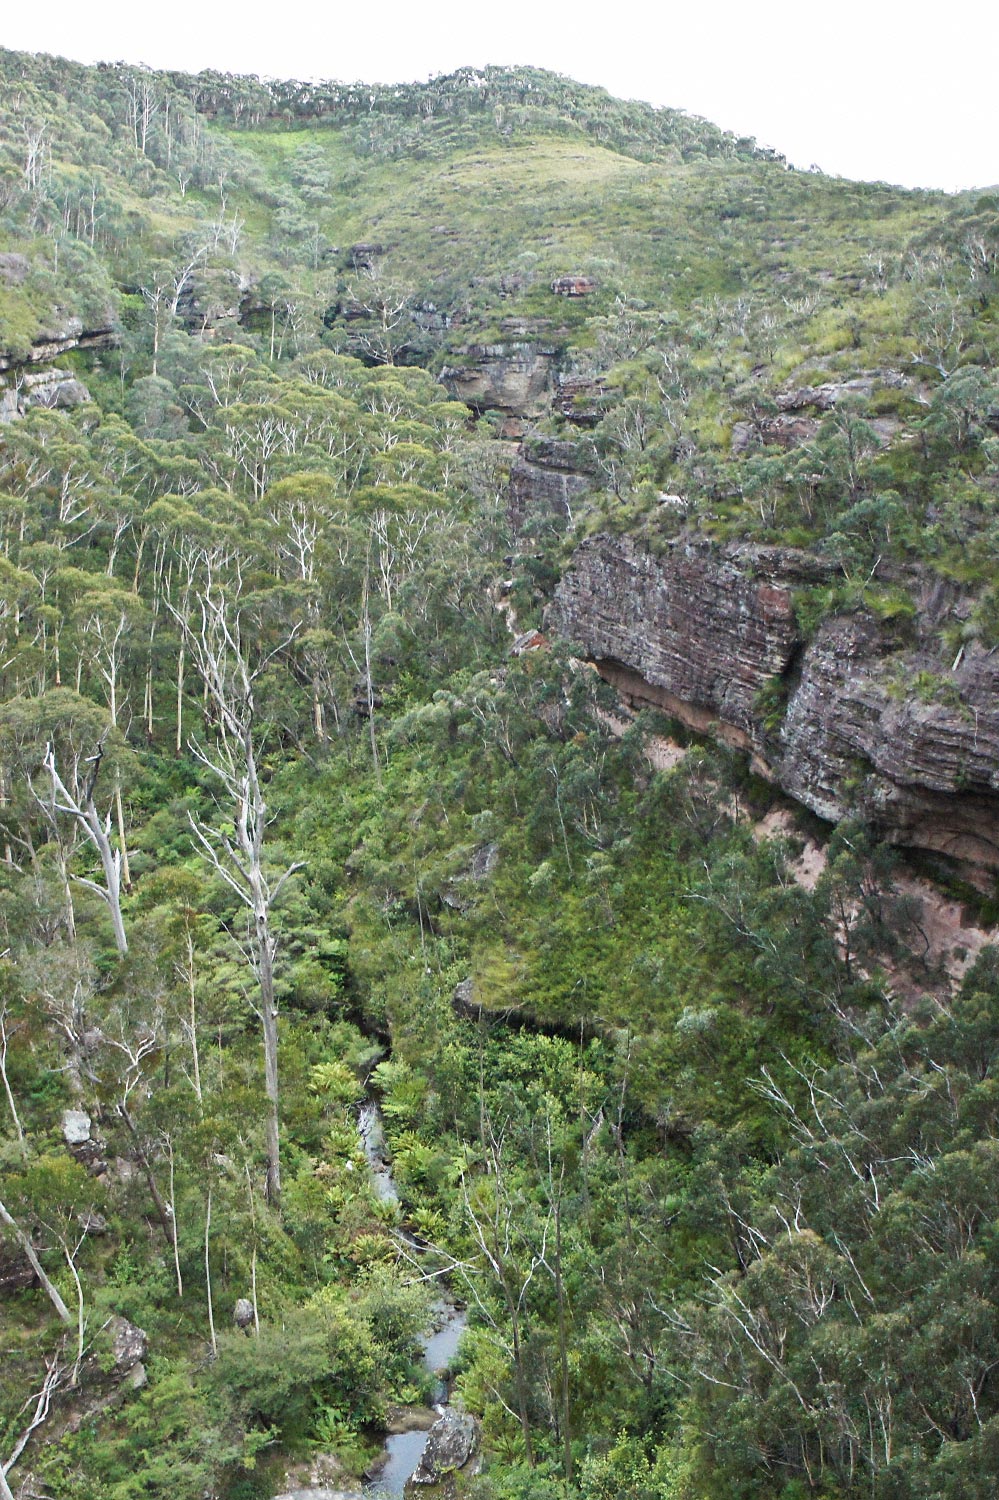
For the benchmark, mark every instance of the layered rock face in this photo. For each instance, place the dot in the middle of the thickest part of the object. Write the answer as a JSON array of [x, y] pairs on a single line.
[[514, 377], [547, 478], [866, 719], [50, 388], [61, 339]]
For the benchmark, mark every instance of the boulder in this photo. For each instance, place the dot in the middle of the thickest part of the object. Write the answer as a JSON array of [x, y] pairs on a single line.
[[129, 1345], [400, 1419], [242, 1313], [451, 1443], [76, 1127], [320, 1492], [60, 394]]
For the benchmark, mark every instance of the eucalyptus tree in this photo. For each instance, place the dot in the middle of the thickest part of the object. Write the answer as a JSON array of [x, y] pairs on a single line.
[[227, 651], [53, 748], [81, 806], [109, 619]]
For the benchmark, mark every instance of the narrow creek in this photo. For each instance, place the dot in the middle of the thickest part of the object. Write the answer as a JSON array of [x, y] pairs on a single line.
[[405, 1449]]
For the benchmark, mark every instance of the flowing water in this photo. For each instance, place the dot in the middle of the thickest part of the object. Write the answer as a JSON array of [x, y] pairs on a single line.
[[405, 1449], [372, 1133]]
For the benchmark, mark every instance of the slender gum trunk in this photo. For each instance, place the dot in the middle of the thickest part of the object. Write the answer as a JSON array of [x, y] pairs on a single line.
[[208, 1277], [173, 1223], [120, 815], [195, 1058], [80, 1320], [180, 700], [268, 1017]]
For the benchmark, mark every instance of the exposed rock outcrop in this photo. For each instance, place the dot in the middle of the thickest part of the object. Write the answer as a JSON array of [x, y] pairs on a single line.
[[51, 343], [547, 479], [363, 256], [783, 431], [796, 422], [49, 388], [826, 397], [575, 284], [709, 634], [579, 398], [515, 376], [701, 630]]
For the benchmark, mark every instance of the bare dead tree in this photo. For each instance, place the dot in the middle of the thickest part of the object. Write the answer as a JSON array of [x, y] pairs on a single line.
[[381, 306], [221, 655], [96, 828], [55, 1373]]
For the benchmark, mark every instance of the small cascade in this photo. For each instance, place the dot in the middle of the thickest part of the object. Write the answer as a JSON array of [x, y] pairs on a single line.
[[372, 1133], [405, 1449]]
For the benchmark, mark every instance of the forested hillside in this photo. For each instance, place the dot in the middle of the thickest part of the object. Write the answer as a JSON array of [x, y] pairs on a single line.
[[497, 614]]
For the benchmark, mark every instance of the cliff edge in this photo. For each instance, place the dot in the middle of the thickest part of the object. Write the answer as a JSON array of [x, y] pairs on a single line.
[[870, 716]]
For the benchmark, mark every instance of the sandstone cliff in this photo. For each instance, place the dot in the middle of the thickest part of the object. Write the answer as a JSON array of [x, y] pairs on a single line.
[[547, 479], [867, 718]]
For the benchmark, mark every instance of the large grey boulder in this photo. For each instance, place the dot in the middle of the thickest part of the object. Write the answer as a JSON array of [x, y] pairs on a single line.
[[451, 1442], [128, 1344], [75, 1127]]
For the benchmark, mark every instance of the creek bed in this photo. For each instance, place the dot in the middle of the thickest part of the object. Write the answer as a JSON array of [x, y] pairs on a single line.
[[405, 1449]]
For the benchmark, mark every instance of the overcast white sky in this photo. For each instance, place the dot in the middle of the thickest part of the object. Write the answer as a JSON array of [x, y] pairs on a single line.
[[885, 89]]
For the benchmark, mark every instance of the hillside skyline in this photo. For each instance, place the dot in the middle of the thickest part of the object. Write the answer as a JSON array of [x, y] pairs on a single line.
[[863, 100]]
